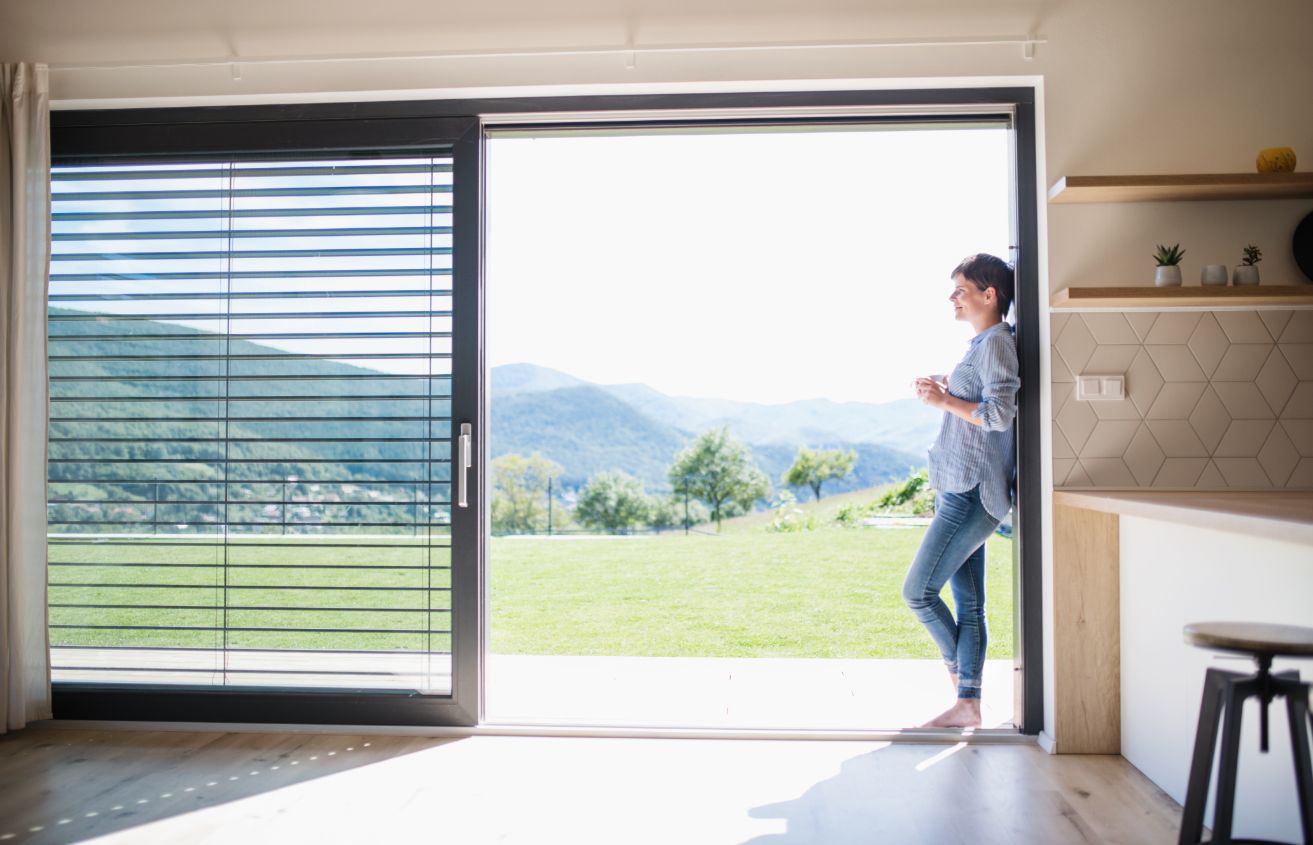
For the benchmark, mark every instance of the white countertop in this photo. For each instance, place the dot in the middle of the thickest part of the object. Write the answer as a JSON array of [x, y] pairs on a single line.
[[1276, 514]]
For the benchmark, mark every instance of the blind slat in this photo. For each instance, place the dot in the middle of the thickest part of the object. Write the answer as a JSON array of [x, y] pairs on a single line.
[[241, 234], [117, 175], [244, 213]]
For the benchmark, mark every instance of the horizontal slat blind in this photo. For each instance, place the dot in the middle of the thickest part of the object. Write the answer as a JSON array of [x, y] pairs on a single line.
[[249, 465]]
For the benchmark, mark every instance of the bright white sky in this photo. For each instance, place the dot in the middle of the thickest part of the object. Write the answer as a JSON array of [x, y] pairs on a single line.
[[762, 266], [765, 267]]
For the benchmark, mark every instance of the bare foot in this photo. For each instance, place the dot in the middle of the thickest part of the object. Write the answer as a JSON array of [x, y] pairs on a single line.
[[953, 675], [964, 714]]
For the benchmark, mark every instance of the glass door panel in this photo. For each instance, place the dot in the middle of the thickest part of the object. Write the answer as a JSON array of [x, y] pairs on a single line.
[[251, 426]]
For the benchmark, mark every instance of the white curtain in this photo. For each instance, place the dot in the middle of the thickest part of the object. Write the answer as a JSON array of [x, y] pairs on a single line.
[[24, 268]]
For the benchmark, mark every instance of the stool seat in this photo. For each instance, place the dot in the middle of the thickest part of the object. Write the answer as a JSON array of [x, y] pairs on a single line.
[[1252, 638]]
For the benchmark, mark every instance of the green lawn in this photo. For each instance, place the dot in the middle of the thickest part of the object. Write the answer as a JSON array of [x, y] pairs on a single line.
[[831, 592], [396, 600], [827, 593]]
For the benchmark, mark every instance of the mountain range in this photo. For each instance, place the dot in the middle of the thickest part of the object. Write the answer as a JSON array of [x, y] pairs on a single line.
[[588, 428], [105, 372]]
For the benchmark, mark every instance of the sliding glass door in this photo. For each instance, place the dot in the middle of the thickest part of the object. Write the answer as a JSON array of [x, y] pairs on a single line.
[[268, 417], [258, 456]]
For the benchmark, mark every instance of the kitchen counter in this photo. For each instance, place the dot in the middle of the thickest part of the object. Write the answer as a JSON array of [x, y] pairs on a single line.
[[1273, 514], [1090, 559]]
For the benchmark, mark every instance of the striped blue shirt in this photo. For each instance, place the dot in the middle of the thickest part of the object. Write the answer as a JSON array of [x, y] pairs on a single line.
[[964, 454]]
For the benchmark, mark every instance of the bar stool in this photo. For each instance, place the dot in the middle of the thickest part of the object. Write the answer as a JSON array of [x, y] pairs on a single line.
[[1224, 697]]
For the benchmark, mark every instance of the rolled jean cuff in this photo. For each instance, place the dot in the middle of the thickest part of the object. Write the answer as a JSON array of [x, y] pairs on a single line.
[[968, 689]]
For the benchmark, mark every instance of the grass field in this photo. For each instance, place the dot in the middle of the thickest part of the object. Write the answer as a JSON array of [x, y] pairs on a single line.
[[830, 592], [374, 592], [826, 593]]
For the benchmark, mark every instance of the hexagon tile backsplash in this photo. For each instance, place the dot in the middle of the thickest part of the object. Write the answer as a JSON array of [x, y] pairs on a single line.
[[1214, 400]]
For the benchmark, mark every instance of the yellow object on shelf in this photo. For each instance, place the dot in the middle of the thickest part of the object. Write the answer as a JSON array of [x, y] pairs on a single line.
[[1276, 160]]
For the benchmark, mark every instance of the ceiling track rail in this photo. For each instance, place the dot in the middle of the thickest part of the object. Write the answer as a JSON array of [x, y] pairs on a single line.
[[628, 53]]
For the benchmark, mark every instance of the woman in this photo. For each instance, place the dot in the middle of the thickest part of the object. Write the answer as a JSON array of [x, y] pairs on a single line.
[[972, 467]]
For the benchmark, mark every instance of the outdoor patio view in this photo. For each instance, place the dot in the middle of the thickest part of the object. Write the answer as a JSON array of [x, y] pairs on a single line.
[[708, 475]]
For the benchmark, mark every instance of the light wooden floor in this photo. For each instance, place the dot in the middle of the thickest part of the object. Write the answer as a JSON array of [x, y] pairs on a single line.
[[61, 785]]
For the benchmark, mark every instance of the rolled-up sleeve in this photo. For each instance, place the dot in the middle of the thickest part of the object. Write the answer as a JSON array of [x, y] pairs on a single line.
[[996, 366]]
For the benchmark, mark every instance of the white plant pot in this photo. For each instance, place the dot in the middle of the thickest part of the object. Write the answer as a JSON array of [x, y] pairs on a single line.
[[1213, 274], [1167, 276], [1245, 274]]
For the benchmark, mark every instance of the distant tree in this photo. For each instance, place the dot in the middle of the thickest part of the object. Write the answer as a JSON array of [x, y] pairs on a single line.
[[719, 470], [668, 512], [612, 501], [813, 467], [519, 492]]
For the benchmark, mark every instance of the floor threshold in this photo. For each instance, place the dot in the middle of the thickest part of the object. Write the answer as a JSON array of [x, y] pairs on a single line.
[[979, 736]]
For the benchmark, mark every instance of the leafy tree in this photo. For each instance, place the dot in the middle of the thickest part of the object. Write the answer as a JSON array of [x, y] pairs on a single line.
[[613, 501], [668, 512], [813, 467], [519, 492], [719, 470]]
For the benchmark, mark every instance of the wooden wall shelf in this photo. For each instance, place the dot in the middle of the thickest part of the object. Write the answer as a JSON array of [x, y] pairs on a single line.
[[1196, 297], [1173, 188]]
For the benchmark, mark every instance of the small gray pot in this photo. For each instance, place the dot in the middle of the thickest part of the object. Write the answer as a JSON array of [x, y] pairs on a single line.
[[1167, 276], [1245, 274], [1213, 274]]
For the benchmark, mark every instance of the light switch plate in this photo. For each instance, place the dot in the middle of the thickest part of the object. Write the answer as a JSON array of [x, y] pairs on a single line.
[[1100, 387]]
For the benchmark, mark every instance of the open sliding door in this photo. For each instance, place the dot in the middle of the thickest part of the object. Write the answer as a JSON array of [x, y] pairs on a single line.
[[266, 340], [265, 403]]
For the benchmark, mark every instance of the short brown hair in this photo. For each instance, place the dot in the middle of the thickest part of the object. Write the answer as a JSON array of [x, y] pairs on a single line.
[[989, 271]]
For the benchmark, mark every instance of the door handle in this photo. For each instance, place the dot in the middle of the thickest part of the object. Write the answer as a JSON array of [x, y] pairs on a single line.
[[465, 457]]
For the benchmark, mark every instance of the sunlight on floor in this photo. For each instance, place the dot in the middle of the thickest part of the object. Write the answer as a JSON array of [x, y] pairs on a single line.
[[561, 790]]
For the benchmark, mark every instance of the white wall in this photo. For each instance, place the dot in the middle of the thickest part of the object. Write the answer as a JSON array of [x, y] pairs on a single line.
[[1126, 85], [1175, 574]]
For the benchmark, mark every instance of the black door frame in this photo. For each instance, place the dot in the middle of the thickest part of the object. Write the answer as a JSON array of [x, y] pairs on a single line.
[[100, 135]]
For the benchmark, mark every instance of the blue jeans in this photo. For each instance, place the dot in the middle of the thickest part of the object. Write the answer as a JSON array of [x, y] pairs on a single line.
[[953, 551]]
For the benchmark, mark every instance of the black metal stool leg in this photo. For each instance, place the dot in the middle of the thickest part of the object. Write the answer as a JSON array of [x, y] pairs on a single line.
[[1233, 710], [1201, 766], [1297, 710]]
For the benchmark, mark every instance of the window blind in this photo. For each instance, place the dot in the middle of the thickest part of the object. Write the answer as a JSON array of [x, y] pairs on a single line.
[[250, 422]]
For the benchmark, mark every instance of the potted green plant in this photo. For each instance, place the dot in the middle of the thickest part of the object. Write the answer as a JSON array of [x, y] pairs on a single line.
[[1168, 273], [1246, 273]]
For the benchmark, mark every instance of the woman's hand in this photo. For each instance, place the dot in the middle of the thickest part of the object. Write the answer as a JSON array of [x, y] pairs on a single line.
[[930, 391], [935, 393]]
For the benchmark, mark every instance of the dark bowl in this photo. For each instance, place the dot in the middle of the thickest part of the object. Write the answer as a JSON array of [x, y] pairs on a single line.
[[1302, 246]]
